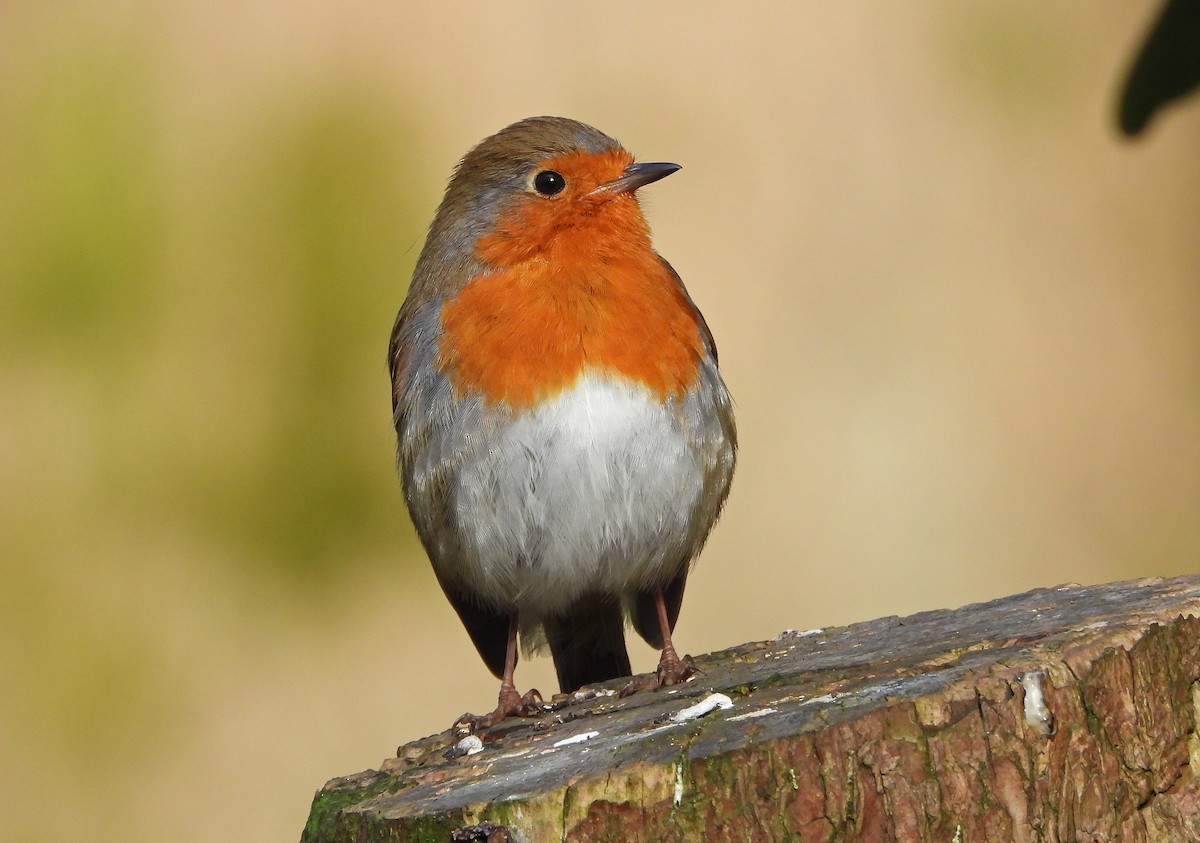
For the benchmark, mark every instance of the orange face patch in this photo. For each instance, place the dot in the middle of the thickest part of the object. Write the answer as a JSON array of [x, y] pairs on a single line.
[[532, 224], [577, 286]]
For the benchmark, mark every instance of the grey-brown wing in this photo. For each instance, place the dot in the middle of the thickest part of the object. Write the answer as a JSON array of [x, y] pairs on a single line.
[[431, 445]]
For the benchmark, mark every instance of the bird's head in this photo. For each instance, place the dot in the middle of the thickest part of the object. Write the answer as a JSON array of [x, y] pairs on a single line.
[[542, 187]]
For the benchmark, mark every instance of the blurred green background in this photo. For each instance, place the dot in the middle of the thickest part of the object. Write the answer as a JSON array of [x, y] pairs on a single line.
[[960, 318]]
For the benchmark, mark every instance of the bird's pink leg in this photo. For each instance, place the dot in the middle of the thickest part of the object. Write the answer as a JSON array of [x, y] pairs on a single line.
[[508, 703], [671, 668]]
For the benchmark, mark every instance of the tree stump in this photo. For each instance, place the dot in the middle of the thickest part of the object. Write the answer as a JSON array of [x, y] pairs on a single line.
[[1063, 714]]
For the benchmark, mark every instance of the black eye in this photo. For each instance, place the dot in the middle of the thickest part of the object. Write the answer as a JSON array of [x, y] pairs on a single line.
[[548, 182]]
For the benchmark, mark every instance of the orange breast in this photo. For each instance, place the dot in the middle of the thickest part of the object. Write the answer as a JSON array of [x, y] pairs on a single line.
[[523, 333]]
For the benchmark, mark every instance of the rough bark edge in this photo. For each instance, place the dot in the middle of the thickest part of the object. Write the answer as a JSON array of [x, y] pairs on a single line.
[[963, 764]]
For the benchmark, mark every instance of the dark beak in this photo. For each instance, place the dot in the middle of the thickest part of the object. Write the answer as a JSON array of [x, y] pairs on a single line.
[[635, 176]]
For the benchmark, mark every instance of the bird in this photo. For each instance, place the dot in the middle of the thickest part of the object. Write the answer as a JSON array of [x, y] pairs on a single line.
[[565, 440]]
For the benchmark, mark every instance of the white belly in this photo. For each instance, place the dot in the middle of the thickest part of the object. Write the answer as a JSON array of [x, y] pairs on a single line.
[[595, 490]]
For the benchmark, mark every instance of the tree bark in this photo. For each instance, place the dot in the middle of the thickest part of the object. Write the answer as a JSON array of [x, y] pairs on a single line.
[[1063, 714]]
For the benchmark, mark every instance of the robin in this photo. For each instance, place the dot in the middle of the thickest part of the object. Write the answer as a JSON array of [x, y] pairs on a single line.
[[565, 441]]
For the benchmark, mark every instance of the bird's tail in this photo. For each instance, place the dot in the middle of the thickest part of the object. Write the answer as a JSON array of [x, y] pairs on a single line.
[[588, 643]]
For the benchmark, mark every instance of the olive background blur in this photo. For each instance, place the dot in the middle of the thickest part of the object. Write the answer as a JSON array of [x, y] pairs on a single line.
[[960, 318]]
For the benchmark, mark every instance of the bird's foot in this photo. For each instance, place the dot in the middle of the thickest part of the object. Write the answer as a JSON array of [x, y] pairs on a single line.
[[676, 670], [509, 704], [672, 670]]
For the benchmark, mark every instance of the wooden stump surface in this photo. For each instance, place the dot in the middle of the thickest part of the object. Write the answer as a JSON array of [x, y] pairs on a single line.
[[1062, 714]]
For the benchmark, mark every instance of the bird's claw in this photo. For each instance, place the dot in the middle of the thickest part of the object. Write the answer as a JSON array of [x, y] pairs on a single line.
[[676, 671], [510, 704], [672, 670]]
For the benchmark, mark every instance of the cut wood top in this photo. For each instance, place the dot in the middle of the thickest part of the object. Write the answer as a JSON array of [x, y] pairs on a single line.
[[637, 760]]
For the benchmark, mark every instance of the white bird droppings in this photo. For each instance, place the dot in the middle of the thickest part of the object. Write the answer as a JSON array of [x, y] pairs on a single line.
[[469, 745], [795, 633], [1037, 713], [759, 712], [580, 738], [712, 701], [824, 698]]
